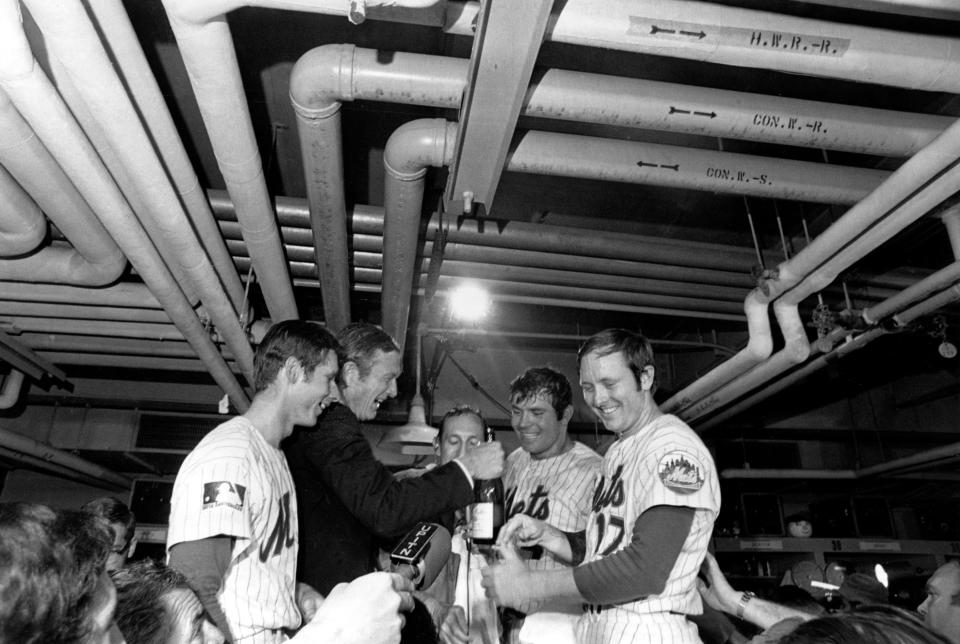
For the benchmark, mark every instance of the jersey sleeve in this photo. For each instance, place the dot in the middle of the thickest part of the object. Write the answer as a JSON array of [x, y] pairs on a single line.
[[211, 497], [680, 472]]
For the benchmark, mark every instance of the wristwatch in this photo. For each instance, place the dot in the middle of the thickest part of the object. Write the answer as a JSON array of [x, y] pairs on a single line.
[[744, 600]]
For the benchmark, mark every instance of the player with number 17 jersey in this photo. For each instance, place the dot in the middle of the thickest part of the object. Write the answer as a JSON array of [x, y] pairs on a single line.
[[665, 463]]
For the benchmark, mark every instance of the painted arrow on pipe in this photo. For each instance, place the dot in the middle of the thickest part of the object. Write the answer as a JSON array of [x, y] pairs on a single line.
[[677, 110], [700, 35], [643, 164]]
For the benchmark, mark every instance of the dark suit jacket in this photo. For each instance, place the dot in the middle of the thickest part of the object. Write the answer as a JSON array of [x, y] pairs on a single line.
[[348, 501]]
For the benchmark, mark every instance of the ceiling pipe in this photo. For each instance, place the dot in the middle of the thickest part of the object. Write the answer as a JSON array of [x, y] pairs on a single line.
[[64, 342], [951, 219], [210, 60], [920, 184], [368, 249], [590, 305], [158, 363], [758, 348], [329, 74], [82, 312], [121, 175], [123, 294], [563, 240], [94, 260], [572, 155], [22, 226], [12, 386], [497, 334], [367, 226], [409, 151], [44, 110], [758, 39], [795, 351], [41, 465], [93, 327], [126, 51], [73, 39], [925, 8], [578, 96], [30, 447], [852, 343]]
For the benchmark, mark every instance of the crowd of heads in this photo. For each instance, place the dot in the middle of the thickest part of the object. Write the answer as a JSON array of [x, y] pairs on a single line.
[[55, 587]]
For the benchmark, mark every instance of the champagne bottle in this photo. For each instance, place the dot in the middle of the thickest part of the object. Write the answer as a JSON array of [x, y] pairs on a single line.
[[486, 511]]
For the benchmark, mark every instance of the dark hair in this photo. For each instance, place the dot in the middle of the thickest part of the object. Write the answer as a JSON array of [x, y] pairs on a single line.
[[361, 341], [50, 567], [113, 510], [636, 349], [877, 624], [546, 382], [141, 613], [461, 410], [308, 342]]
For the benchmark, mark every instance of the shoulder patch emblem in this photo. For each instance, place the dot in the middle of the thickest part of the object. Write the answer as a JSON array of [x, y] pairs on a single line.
[[223, 493], [681, 472]]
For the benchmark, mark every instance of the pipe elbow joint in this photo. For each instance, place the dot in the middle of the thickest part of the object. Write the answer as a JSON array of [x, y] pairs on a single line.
[[320, 79], [417, 145]]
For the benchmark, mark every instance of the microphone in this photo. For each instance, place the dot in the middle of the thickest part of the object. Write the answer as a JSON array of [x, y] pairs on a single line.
[[425, 549]]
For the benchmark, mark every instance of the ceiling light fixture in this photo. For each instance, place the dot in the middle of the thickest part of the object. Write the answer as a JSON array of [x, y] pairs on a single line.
[[469, 302], [415, 437]]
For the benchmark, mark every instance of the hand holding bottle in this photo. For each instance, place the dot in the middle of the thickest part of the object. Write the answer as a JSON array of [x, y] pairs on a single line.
[[485, 461], [486, 511]]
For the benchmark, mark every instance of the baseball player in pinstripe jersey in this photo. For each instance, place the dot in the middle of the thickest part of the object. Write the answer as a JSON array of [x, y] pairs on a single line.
[[549, 477], [233, 514], [651, 516]]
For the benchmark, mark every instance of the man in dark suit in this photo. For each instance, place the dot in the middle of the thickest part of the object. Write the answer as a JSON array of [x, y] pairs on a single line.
[[348, 500]]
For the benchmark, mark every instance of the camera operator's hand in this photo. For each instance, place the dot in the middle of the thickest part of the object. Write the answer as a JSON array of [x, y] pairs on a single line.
[[365, 611], [485, 461]]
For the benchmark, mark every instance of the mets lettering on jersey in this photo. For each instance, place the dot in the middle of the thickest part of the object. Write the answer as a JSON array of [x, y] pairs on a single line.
[[234, 483], [665, 463], [556, 490], [537, 504]]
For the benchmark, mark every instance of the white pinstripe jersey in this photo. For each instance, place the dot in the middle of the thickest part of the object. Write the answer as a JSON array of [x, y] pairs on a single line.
[[556, 490], [665, 463], [234, 483]]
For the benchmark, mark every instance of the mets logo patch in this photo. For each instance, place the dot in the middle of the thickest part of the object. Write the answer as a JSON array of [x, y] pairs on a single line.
[[681, 472], [223, 493]]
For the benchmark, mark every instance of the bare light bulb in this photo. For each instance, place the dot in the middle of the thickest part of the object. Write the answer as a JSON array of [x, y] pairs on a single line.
[[469, 302]]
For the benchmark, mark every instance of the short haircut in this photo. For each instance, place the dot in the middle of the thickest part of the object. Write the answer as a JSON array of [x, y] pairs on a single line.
[[50, 567], [113, 510], [636, 349], [142, 615], [545, 382], [877, 624], [461, 410], [308, 342], [361, 341]]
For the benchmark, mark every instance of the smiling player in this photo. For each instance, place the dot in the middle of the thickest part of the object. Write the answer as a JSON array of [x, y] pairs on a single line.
[[651, 518], [549, 477]]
